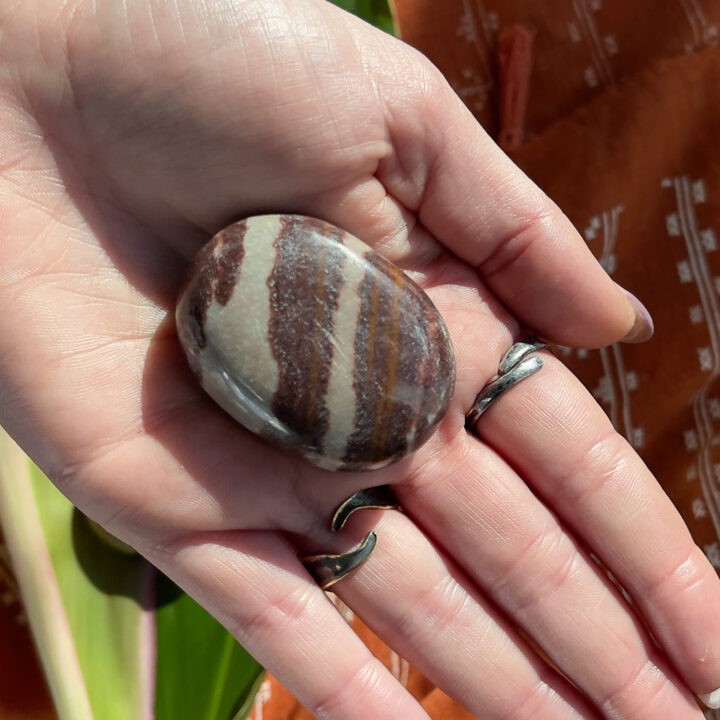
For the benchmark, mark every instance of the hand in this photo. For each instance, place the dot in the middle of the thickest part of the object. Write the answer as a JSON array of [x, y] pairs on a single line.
[[133, 131]]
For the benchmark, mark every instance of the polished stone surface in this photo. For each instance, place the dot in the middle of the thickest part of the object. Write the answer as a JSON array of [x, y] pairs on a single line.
[[315, 342]]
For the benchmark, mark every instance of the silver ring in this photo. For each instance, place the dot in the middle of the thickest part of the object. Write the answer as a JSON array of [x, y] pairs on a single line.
[[516, 365], [327, 568]]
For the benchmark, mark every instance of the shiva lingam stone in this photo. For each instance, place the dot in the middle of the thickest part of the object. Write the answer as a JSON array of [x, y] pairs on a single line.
[[315, 342]]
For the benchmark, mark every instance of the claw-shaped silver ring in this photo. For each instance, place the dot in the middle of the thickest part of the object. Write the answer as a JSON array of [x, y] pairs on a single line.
[[515, 366], [327, 568]]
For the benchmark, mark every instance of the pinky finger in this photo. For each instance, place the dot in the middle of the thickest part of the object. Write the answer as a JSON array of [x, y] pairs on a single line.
[[255, 586]]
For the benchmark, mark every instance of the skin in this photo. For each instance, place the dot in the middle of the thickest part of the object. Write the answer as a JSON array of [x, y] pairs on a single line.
[[133, 131]]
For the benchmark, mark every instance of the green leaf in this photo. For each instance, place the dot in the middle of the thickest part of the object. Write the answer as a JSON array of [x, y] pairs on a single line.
[[87, 604], [117, 640], [202, 671], [376, 12]]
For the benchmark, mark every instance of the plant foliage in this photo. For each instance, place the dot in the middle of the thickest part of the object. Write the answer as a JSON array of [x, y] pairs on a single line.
[[376, 12]]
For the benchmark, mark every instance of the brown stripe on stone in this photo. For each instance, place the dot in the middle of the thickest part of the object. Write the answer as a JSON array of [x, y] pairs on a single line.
[[215, 269], [367, 393], [418, 353], [304, 289], [436, 371], [432, 372], [229, 251], [401, 366], [385, 350], [387, 409]]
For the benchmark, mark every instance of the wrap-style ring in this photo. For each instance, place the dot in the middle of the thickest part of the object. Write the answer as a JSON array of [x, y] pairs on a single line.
[[518, 363], [327, 568]]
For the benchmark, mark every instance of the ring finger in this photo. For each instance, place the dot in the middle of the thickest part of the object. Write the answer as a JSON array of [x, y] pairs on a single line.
[[564, 445]]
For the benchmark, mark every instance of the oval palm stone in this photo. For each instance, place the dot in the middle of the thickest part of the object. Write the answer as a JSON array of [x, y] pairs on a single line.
[[313, 341]]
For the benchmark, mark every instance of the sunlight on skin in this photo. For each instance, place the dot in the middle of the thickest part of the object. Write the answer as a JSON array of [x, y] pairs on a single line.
[[131, 132]]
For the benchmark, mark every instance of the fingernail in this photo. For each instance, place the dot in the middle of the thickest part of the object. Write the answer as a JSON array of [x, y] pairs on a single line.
[[711, 700], [643, 327]]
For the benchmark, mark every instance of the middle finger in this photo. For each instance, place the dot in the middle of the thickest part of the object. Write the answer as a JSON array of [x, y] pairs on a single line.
[[430, 613]]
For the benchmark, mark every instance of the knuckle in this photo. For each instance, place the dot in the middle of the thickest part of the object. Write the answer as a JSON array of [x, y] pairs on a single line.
[[276, 618], [536, 225], [433, 611], [355, 684], [598, 466], [550, 559], [530, 704], [679, 577], [635, 691]]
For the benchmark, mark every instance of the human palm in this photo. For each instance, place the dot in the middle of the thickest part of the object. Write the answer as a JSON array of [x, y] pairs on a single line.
[[132, 132]]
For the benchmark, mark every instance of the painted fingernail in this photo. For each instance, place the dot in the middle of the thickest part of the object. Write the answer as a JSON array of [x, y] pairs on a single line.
[[711, 700], [643, 327]]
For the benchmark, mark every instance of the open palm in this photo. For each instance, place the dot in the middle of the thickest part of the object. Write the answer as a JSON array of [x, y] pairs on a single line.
[[132, 132]]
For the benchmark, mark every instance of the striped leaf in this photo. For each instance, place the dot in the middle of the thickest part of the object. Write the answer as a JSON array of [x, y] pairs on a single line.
[[117, 641]]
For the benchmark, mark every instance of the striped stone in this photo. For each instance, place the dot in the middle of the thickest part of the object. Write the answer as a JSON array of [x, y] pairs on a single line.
[[316, 343]]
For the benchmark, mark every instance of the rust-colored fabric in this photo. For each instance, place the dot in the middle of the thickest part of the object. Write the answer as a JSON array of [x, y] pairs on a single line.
[[581, 48], [621, 128], [613, 108]]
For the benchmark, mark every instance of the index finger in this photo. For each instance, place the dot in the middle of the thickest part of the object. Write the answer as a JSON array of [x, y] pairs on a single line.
[[484, 209], [561, 441]]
